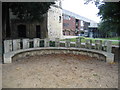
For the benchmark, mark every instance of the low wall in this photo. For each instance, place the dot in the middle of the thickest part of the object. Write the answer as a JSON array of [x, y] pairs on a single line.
[[18, 46], [9, 57]]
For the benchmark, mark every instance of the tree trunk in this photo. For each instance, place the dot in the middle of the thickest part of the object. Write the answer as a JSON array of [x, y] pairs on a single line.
[[5, 20]]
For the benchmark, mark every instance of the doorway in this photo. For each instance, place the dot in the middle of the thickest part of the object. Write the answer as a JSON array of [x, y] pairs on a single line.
[[38, 31]]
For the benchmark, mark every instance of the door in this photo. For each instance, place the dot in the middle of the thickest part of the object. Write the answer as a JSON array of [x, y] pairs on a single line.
[[38, 31]]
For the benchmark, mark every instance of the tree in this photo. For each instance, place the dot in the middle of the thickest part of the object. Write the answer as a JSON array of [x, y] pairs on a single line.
[[25, 12], [110, 15], [32, 11]]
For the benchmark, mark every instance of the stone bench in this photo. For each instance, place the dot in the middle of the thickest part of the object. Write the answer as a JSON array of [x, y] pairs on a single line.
[[9, 56]]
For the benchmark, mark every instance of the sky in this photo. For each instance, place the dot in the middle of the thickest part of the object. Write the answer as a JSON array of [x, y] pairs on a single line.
[[77, 6]]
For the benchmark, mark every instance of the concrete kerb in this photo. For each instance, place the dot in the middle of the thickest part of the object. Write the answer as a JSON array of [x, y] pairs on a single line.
[[108, 57]]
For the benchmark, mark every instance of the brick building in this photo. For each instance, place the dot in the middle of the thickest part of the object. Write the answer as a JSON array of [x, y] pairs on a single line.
[[71, 25], [74, 25]]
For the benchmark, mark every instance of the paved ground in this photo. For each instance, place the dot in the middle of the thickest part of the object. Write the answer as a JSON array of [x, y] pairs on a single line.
[[60, 71]]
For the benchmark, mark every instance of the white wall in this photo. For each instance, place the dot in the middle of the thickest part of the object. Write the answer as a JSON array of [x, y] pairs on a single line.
[[53, 23]]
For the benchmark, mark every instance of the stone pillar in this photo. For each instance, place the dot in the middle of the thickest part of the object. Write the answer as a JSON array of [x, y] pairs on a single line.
[[98, 44], [78, 42], [16, 44], [8, 46], [88, 43], [67, 43], [105, 45], [109, 46], [57, 42], [46, 42], [36, 42], [26, 43]]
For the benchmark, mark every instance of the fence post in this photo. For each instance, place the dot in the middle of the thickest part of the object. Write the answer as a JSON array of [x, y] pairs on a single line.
[[36, 42], [26, 43], [8, 46], [109, 46], [67, 43], [57, 42], [88, 43], [46, 42], [78, 42], [98, 44], [105, 45], [16, 44]]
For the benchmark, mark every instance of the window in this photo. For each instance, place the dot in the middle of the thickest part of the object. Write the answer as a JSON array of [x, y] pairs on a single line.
[[65, 24], [82, 23], [66, 17], [59, 19]]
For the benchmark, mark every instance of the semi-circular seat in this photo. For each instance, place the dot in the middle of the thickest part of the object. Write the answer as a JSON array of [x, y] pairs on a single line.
[[8, 57]]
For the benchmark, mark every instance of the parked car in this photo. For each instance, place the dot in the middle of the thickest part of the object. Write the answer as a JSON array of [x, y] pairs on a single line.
[[80, 34]]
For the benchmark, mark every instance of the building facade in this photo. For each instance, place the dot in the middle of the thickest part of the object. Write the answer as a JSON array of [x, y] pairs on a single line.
[[50, 27], [76, 25], [71, 25], [55, 21]]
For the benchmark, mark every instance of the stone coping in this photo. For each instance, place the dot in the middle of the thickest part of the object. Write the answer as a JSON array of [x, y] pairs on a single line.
[[108, 57]]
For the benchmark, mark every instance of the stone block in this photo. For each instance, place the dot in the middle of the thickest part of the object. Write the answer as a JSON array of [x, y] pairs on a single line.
[[8, 46], [67, 43], [109, 46], [16, 44], [57, 42], [78, 42], [46, 42], [110, 58], [88, 43], [26, 44], [98, 44], [105, 45], [36, 42], [96, 55]]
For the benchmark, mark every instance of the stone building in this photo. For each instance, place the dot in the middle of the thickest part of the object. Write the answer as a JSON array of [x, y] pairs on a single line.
[[51, 27], [55, 21], [28, 30]]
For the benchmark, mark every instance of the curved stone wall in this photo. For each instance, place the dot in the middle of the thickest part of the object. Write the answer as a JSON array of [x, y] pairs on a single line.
[[8, 57]]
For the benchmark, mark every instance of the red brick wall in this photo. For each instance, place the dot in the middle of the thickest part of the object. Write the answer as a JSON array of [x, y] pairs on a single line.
[[71, 23], [79, 24]]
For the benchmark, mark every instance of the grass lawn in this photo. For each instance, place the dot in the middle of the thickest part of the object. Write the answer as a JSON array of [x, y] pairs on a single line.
[[113, 38], [93, 40]]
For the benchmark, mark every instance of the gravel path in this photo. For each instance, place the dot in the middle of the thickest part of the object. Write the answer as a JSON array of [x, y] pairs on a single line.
[[60, 71]]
